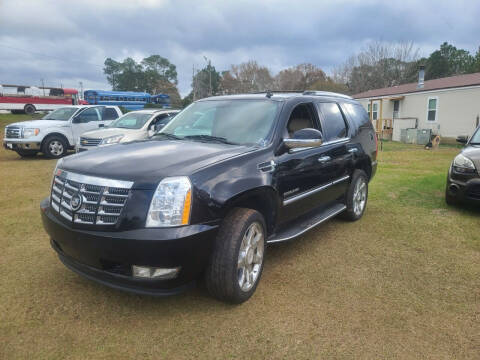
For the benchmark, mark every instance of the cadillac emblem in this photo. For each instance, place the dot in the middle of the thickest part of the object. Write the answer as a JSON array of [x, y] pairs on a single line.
[[76, 201]]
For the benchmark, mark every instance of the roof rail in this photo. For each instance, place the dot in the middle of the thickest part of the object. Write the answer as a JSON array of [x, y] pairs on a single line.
[[325, 93]]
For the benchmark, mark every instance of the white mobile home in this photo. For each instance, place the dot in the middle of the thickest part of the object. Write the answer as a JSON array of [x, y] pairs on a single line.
[[448, 106]]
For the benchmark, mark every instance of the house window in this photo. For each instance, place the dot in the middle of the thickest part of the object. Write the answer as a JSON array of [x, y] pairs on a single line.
[[374, 115], [396, 108], [432, 109]]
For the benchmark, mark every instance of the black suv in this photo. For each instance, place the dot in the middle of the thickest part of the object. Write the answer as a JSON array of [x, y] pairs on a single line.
[[204, 196], [463, 181]]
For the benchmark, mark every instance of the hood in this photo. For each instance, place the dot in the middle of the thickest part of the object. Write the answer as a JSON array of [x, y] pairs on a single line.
[[473, 153], [43, 124], [147, 162], [103, 133]]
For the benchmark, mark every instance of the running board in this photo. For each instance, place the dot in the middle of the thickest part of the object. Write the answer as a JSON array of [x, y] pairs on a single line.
[[305, 224]]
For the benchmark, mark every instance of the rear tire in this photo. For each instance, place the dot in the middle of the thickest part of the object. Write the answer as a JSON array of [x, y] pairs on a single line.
[[26, 153], [236, 263], [29, 109], [356, 196], [54, 147]]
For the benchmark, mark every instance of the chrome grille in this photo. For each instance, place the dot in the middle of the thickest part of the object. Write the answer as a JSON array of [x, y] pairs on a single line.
[[85, 141], [13, 132], [102, 200]]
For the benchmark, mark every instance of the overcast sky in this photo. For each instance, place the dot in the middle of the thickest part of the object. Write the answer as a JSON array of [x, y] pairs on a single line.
[[64, 42]]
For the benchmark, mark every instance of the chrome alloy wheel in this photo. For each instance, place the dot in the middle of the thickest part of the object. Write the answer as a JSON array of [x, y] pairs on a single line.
[[250, 256], [359, 196], [55, 147]]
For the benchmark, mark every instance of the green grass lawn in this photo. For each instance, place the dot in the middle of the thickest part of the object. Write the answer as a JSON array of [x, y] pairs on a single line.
[[403, 282]]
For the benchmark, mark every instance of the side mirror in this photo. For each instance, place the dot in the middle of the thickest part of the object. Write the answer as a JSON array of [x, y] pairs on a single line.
[[462, 139], [304, 139]]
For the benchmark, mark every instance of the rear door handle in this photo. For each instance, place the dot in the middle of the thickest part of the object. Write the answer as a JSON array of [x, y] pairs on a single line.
[[101, 125], [324, 159], [352, 150]]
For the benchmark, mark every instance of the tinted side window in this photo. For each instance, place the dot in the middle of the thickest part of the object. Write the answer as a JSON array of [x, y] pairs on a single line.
[[109, 114], [334, 123], [89, 115], [357, 113]]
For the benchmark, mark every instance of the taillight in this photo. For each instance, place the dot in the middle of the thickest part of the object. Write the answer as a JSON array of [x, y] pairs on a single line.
[[376, 145]]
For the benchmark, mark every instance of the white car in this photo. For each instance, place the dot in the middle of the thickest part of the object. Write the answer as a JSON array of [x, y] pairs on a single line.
[[58, 131], [134, 125]]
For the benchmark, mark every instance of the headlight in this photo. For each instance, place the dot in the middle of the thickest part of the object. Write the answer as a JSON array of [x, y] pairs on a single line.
[[112, 140], [57, 167], [463, 164], [29, 132], [171, 203]]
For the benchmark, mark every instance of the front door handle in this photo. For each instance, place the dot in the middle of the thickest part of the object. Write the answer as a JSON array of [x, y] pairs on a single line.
[[101, 125], [324, 159], [352, 150]]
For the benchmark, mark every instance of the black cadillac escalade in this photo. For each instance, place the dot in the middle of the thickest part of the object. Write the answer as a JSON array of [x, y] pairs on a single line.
[[204, 196]]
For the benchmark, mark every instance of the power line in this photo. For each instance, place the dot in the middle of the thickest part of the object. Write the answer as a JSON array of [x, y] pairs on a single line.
[[48, 56]]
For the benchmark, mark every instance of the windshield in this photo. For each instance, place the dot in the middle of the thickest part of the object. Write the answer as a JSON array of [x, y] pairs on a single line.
[[133, 120], [61, 114], [230, 121], [476, 137]]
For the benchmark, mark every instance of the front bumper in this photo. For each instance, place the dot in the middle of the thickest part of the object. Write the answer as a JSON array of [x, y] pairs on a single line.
[[464, 188], [107, 256], [20, 144]]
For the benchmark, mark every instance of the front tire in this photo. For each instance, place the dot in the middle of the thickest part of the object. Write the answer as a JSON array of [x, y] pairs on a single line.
[[450, 199], [26, 153], [29, 109], [236, 264], [356, 196], [54, 147]]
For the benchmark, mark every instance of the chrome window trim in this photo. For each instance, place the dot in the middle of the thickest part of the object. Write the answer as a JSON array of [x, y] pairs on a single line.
[[93, 180], [314, 191], [331, 142]]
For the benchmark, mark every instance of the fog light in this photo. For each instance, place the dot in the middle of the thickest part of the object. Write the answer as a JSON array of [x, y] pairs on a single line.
[[154, 273]]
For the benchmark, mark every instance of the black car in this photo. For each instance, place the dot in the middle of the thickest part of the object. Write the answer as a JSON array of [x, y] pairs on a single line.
[[463, 181], [203, 197]]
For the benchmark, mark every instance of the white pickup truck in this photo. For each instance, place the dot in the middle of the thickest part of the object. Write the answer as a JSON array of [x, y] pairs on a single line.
[[58, 131]]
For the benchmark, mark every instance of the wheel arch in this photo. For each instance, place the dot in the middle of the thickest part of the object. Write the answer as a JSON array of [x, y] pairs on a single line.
[[365, 164], [263, 199], [56, 133]]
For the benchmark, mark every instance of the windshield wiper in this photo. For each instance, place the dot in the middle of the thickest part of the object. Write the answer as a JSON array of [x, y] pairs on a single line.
[[474, 143], [168, 136], [210, 138]]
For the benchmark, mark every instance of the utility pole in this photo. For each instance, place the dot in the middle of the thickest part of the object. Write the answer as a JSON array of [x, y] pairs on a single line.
[[43, 86], [209, 64], [81, 89], [194, 81]]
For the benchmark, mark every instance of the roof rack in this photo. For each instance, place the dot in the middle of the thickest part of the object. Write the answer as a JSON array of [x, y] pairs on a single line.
[[269, 93], [326, 93]]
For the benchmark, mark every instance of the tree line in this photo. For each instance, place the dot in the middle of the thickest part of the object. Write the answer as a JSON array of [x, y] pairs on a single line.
[[378, 65]]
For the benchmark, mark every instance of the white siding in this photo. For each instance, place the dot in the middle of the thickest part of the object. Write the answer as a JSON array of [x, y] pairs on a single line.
[[457, 111]]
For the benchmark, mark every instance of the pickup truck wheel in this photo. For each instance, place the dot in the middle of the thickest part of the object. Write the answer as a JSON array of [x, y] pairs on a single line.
[[29, 109], [54, 147], [26, 153], [236, 264], [356, 196]]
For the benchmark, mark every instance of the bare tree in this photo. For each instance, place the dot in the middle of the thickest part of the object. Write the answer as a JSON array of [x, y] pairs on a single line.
[[379, 65], [246, 77], [300, 77]]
